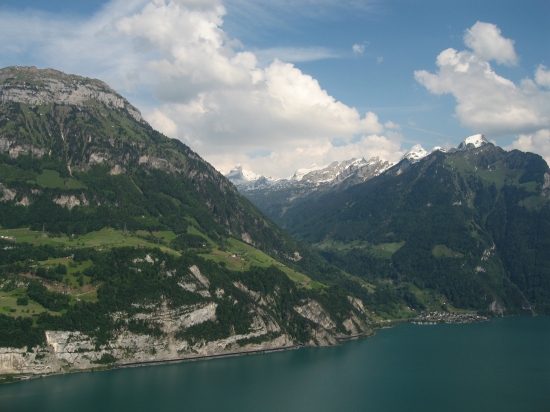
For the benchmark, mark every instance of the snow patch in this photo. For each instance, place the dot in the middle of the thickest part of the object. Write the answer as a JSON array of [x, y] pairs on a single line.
[[416, 153], [475, 141]]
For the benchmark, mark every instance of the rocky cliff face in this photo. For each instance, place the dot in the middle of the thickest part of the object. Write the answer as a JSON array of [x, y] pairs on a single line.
[[33, 87], [72, 350]]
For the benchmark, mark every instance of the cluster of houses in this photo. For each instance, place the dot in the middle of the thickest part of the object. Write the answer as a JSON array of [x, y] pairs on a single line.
[[7, 237], [448, 317]]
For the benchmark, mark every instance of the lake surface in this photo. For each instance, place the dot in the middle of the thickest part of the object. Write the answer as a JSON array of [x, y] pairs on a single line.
[[501, 365]]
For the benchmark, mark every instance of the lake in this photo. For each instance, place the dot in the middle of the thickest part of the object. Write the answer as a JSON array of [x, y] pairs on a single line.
[[500, 365]]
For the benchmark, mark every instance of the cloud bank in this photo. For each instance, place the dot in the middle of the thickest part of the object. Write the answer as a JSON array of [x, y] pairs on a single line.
[[210, 92], [489, 103]]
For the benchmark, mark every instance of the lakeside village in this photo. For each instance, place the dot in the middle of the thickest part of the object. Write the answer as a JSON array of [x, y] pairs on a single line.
[[434, 318], [431, 318]]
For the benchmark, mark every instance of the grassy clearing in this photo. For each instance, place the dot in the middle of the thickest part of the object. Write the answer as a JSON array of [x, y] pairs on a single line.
[[238, 256], [104, 238], [382, 250], [444, 251], [73, 184], [166, 235], [530, 186], [369, 286], [533, 202], [33, 237], [462, 164], [51, 178], [8, 305], [88, 296], [386, 250], [435, 301], [194, 231], [333, 244], [301, 279]]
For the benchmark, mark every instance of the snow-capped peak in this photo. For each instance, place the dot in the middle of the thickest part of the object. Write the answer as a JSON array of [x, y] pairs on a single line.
[[438, 148], [300, 173], [477, 140], [238, 173], [416, 153]]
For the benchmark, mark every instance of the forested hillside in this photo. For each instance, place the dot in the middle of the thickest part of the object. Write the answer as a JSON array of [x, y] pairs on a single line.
[[120, 244], [472, 225]]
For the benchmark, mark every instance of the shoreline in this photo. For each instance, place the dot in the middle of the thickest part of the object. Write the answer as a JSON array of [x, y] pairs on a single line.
[[135, 364], [117, 365]]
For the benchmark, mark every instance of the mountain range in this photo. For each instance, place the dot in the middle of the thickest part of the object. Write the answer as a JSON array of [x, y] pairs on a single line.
[[276, 196], [121, 246], [472, 224]]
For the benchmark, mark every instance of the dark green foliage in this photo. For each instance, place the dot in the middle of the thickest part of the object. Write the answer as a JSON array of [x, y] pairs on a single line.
[[361, 263], [464, 203], [49, 274], [22, 301], [11, 252], [19, 332], [50, 300], [106, 359], [143, 327]]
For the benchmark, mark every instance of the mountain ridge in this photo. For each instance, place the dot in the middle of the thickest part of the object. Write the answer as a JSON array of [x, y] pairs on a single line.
[[471, 224], [127, 246]]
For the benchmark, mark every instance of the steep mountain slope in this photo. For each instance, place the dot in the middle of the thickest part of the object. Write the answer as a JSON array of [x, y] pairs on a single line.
[[472, 224], [127, 246]]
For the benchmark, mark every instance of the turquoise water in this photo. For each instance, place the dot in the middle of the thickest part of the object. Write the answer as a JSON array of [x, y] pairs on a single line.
[[501, 365]]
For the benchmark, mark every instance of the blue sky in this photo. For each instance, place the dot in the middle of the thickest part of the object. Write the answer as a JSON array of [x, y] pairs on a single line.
[[277, 85]]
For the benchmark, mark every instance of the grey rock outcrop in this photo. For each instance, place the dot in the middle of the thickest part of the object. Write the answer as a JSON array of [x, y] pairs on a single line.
[[51, 86]]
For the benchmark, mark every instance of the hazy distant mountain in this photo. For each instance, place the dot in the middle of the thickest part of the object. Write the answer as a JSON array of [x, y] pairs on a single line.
[[275, 196]]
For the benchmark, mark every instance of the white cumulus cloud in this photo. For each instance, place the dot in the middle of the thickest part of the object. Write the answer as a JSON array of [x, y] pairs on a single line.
[[486, 102], [358, 48], [210, 91], [486, 41], [542, 76]]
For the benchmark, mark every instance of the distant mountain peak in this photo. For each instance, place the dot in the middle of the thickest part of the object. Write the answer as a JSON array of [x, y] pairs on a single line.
[[313, 176], [300, 173], [416, 153], [238, 173], [473, 142]]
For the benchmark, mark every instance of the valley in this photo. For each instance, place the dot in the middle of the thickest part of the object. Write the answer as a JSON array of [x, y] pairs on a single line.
[[120, 246]]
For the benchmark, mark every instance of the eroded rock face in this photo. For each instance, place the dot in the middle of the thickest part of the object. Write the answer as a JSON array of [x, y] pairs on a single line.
[[7, 194], [246, 238], [496, 307], [56, 87], [66, 350], [197, 273], [70, 201], [16, 151], [76, 351], [314, 312], [546, 185], [4, 145]]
